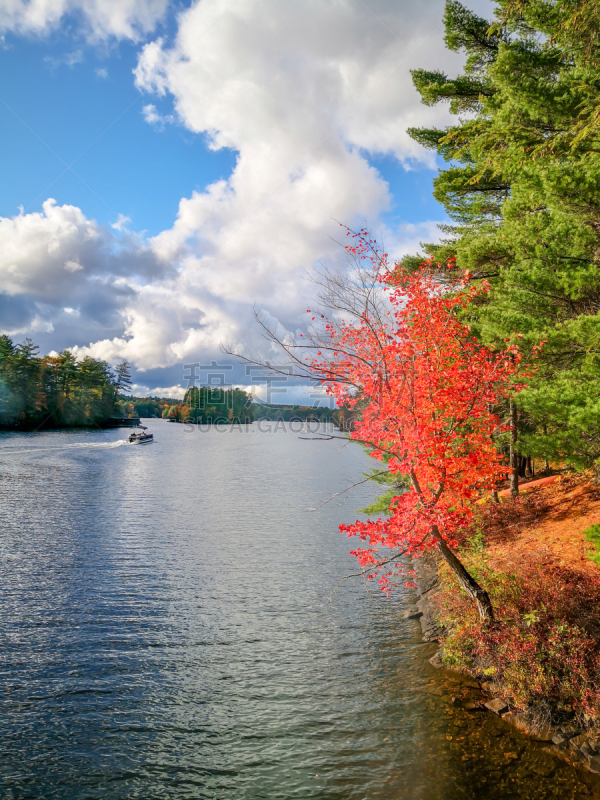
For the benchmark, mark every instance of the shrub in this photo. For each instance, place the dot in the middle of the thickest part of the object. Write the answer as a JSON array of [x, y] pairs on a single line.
[[542, 650]]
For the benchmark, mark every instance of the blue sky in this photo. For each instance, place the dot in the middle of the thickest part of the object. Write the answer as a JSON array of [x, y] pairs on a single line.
[[212, 145], [53, 114], [62, 102]]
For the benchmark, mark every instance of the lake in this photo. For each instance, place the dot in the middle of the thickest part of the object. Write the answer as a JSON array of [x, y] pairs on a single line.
[[175, 624]]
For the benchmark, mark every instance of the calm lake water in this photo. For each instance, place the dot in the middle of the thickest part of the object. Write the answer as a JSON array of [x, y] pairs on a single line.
[[170, 629]]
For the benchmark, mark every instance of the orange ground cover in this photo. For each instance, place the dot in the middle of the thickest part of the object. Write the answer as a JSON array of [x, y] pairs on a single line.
[[567, 507]]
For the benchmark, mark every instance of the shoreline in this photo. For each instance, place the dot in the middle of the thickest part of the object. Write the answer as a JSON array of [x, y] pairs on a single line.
[[577, 746]]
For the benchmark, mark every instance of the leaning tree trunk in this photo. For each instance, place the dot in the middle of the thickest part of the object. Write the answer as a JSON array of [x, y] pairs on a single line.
[[466, 580]]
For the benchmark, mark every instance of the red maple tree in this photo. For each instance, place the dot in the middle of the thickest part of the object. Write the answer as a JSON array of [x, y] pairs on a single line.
[[423, 391]]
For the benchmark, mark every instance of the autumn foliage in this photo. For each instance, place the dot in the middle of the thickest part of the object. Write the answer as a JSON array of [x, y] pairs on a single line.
[[425, 393], [543, 651]]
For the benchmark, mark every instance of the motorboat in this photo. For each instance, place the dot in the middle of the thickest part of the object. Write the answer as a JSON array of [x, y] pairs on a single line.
[[140, 437]]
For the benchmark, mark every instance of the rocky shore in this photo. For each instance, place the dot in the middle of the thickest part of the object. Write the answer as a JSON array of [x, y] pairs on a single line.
[[579, 747]]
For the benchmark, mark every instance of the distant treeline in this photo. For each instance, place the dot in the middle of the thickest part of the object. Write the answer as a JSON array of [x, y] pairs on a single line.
[[146, 406], [209, 404], [56, 391], [59, 391], [290, 413]]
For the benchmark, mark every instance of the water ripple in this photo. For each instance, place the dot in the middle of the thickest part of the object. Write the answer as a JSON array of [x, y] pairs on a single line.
[[168, 631]]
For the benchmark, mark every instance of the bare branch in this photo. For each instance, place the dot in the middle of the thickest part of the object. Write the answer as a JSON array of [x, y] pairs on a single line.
[[379, 564], [349, 488]]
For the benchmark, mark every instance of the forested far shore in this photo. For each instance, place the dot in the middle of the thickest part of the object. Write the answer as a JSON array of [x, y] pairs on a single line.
[[56, 391], [206, 404]]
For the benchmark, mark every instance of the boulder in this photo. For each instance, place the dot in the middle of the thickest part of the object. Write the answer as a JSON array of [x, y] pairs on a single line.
[[436, 660], [496, 705]]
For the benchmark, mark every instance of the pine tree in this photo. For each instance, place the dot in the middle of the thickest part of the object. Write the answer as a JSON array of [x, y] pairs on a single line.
[[523, 192]]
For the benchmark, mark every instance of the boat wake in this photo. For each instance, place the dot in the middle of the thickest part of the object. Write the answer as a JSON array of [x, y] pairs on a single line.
[[26, 450]]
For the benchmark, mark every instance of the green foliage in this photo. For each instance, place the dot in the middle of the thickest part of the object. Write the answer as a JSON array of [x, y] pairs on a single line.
[[55, 391], [467, 31], [294, 413], [397, 484], [522, 188], [382, 504], [215, 404], [145, 406], [463, 93], [592, 535]]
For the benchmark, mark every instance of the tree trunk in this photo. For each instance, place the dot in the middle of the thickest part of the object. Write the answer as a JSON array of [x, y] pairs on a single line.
[[514, 457], [467, 581]]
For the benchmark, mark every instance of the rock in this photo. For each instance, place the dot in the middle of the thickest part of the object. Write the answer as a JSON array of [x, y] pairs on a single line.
[[558, 739], [426, 572], [520, 720], [411, 613], [487, 686], [436, 660], [576, 742], [543, 733], [545, 768], [496, 705], [593, 764], [428, 585], [473, 706], [523, 722], [568, 731]]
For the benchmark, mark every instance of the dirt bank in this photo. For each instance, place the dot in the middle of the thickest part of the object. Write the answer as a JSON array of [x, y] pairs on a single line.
[[549, 532]]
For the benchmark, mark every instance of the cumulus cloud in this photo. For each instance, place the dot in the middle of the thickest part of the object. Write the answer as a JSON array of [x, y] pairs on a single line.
[[141, 390], [99, 19], [57, 263], [304, 93]]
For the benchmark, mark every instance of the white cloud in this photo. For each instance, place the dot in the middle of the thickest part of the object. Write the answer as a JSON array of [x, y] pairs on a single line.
[[101, 72], [300, 91], [58, 265], [121, 223], [99, 19], [303, 92], [172, 392], [73, 266], [153, 117], [44, 254]]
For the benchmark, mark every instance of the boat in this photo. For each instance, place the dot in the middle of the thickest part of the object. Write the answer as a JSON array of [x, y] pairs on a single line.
[[140, 438]]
